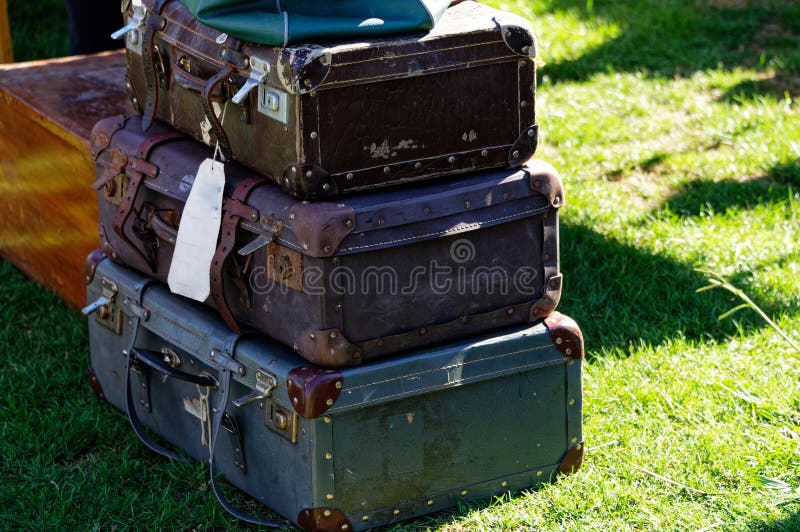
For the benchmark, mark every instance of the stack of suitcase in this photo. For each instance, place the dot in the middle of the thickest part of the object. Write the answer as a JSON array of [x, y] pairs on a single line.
[[378, 339]]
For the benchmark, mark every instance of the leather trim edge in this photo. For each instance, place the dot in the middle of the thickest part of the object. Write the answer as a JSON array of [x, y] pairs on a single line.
[[94, 382]]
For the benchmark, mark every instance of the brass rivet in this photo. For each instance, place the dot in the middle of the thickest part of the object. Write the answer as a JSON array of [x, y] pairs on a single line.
[[254, 216], [335, 260], [538, 473], [484, 153], [329, 496], [333, 336], [348, 223], [417, 165], [328, 456], [574, 440], [510, 311], [313, 135], [531, 132], [327, 249], [309, 173], [451, 159], [430, 502], [504, 483], [559, 341], [523, 103], [381, 221], [326, 187], [294, 170], [329, 402], [463, 492], [326, 419], [571, 402], [326, 513], [467, 205], [426, 210], [365, 518], [505, 196], [338, 308], [291, 216], [338, 385], [515, 154], [294, 400], [571, 362], [423, 331], [396, 511], [349, 176], [578, 447], [312, 336], [568, 351], [305, 246], [386, 169]]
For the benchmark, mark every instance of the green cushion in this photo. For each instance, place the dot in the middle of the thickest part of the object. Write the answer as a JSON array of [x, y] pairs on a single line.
[[283, 22]]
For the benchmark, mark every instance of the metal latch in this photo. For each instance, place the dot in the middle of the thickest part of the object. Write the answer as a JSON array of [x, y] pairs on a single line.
[[108, 292], [259, 70], [265, 384], [106, 313], [133, 28]]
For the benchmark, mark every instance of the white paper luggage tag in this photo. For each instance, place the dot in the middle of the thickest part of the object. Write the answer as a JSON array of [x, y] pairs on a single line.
[[190, 272]]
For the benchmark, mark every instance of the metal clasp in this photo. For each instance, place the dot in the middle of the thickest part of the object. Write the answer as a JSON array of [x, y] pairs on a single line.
[[108, 293], [259, 70], [133, 28], [265, 384]]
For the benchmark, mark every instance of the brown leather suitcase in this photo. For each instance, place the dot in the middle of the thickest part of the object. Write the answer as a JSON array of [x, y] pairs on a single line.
[[329, 119], [376, 273]]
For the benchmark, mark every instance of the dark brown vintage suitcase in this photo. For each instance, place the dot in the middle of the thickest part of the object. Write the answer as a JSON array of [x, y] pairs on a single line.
[[378, 273], [314, 117]]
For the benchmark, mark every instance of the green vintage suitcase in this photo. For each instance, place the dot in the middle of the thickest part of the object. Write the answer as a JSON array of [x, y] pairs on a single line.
[[338, 449]]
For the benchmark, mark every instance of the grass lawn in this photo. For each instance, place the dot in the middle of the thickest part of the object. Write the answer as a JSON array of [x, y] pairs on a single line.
[[676, 127]]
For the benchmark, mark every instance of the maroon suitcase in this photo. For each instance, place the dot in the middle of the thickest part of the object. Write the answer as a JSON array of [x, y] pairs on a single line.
[[330, 119], [377, 273]]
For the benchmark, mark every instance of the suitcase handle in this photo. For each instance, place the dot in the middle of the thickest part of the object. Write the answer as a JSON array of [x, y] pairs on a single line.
[[163, 230], [158, 362], [186, 79]]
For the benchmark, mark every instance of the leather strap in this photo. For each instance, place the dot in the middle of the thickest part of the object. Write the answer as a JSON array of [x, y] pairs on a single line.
[[130, 408], [219, 413], [235, 210], [216, 126], [137, 169], [153, 23]]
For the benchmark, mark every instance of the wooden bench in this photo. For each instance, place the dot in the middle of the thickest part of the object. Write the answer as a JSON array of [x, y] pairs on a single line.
[[48, 211]]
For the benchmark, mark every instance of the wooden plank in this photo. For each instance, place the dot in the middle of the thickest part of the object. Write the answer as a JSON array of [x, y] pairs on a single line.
[[48, 211], [6, 51]]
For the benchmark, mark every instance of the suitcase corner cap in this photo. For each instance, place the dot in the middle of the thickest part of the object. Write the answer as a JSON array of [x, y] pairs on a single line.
[[323, 519], [303, 69], [89, 269], [102, 132], [313, 390], [567, 336], [517, 34], [573, 459], [546, 180]]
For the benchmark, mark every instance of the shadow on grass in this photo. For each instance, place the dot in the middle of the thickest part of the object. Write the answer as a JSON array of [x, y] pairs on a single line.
[[789, 524], [623, 296], [679, 38], [773, 187]]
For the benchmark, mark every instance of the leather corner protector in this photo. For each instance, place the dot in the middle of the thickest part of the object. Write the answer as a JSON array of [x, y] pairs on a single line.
[[518, 36], [328, 348], [524, 147], [549, 301], [90, 267], [546, 180], [308, 181], [95, 384], [321, 227], [303, 69], [323, 520], [573, 459], [567, 336], [102, 133], [312, 390]]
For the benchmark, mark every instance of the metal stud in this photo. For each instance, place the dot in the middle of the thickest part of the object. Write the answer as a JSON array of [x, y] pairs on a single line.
[[571, 402], [333, 336], [291, 216], [531, 132], [574, 440], [309, 173], [578, 447], [423, 331], [559, 341], [568, 351], [326, 187], [365, 518], [329, 496], [326, 419], [294, 170], [523, 103], [515, 154], [570, 363], [326, 513], [506, 196], [328, 456], [312, 336], [386, 169], [396, 511], [451, 159], [426, 210], [327, 249], [510, 311], [504, 483], [467, 205], [305, 246], [348, 223], [463, 492], [381, 221], [484, 153], [417, 165], [339, 386], [539, 473], [349, 176], [329, 402], [313, 135]]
